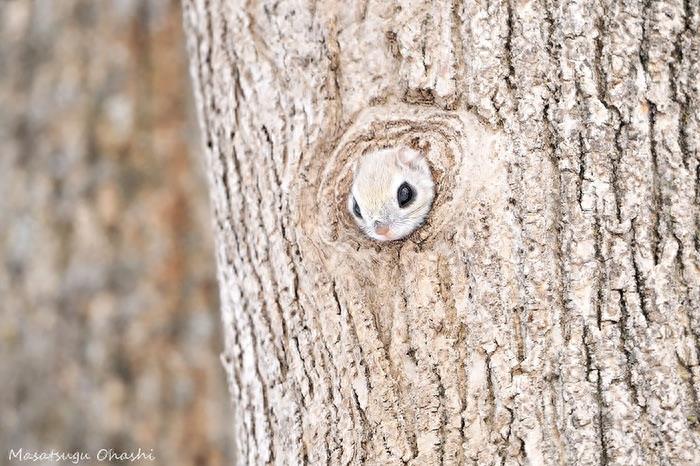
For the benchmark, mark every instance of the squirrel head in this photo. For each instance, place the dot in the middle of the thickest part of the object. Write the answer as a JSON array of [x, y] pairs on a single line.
[[392, 193]]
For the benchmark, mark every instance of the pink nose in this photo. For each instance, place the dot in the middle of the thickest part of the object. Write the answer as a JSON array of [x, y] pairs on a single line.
[[380, 228]]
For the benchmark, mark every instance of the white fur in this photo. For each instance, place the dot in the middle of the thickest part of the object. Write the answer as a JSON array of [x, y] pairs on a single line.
[[377, 179]]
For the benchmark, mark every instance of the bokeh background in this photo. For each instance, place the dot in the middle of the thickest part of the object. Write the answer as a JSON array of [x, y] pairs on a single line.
[[109, 324]]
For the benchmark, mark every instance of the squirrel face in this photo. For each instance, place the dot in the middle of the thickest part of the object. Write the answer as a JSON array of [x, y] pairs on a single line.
[[392, 193]]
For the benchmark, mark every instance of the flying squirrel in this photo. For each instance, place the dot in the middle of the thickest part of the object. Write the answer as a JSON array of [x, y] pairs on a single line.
[[392, 193]]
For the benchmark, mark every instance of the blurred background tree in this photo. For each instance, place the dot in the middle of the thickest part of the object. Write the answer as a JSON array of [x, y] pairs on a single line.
[[108, 299]]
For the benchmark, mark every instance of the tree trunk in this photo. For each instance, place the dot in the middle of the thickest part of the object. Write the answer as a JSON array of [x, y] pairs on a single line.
[[548, 313], [107, 282]]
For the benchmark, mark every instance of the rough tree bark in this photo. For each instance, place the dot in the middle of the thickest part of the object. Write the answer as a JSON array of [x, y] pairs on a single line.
[[549, 313]]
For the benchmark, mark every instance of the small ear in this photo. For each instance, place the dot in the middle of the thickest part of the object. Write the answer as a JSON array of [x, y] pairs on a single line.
[[407, 157]]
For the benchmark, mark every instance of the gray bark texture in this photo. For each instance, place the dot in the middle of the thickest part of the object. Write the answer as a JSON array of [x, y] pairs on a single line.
[[548, 313]]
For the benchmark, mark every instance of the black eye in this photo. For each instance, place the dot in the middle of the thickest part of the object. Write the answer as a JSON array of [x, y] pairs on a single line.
[[356, 208], [405, 195]]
